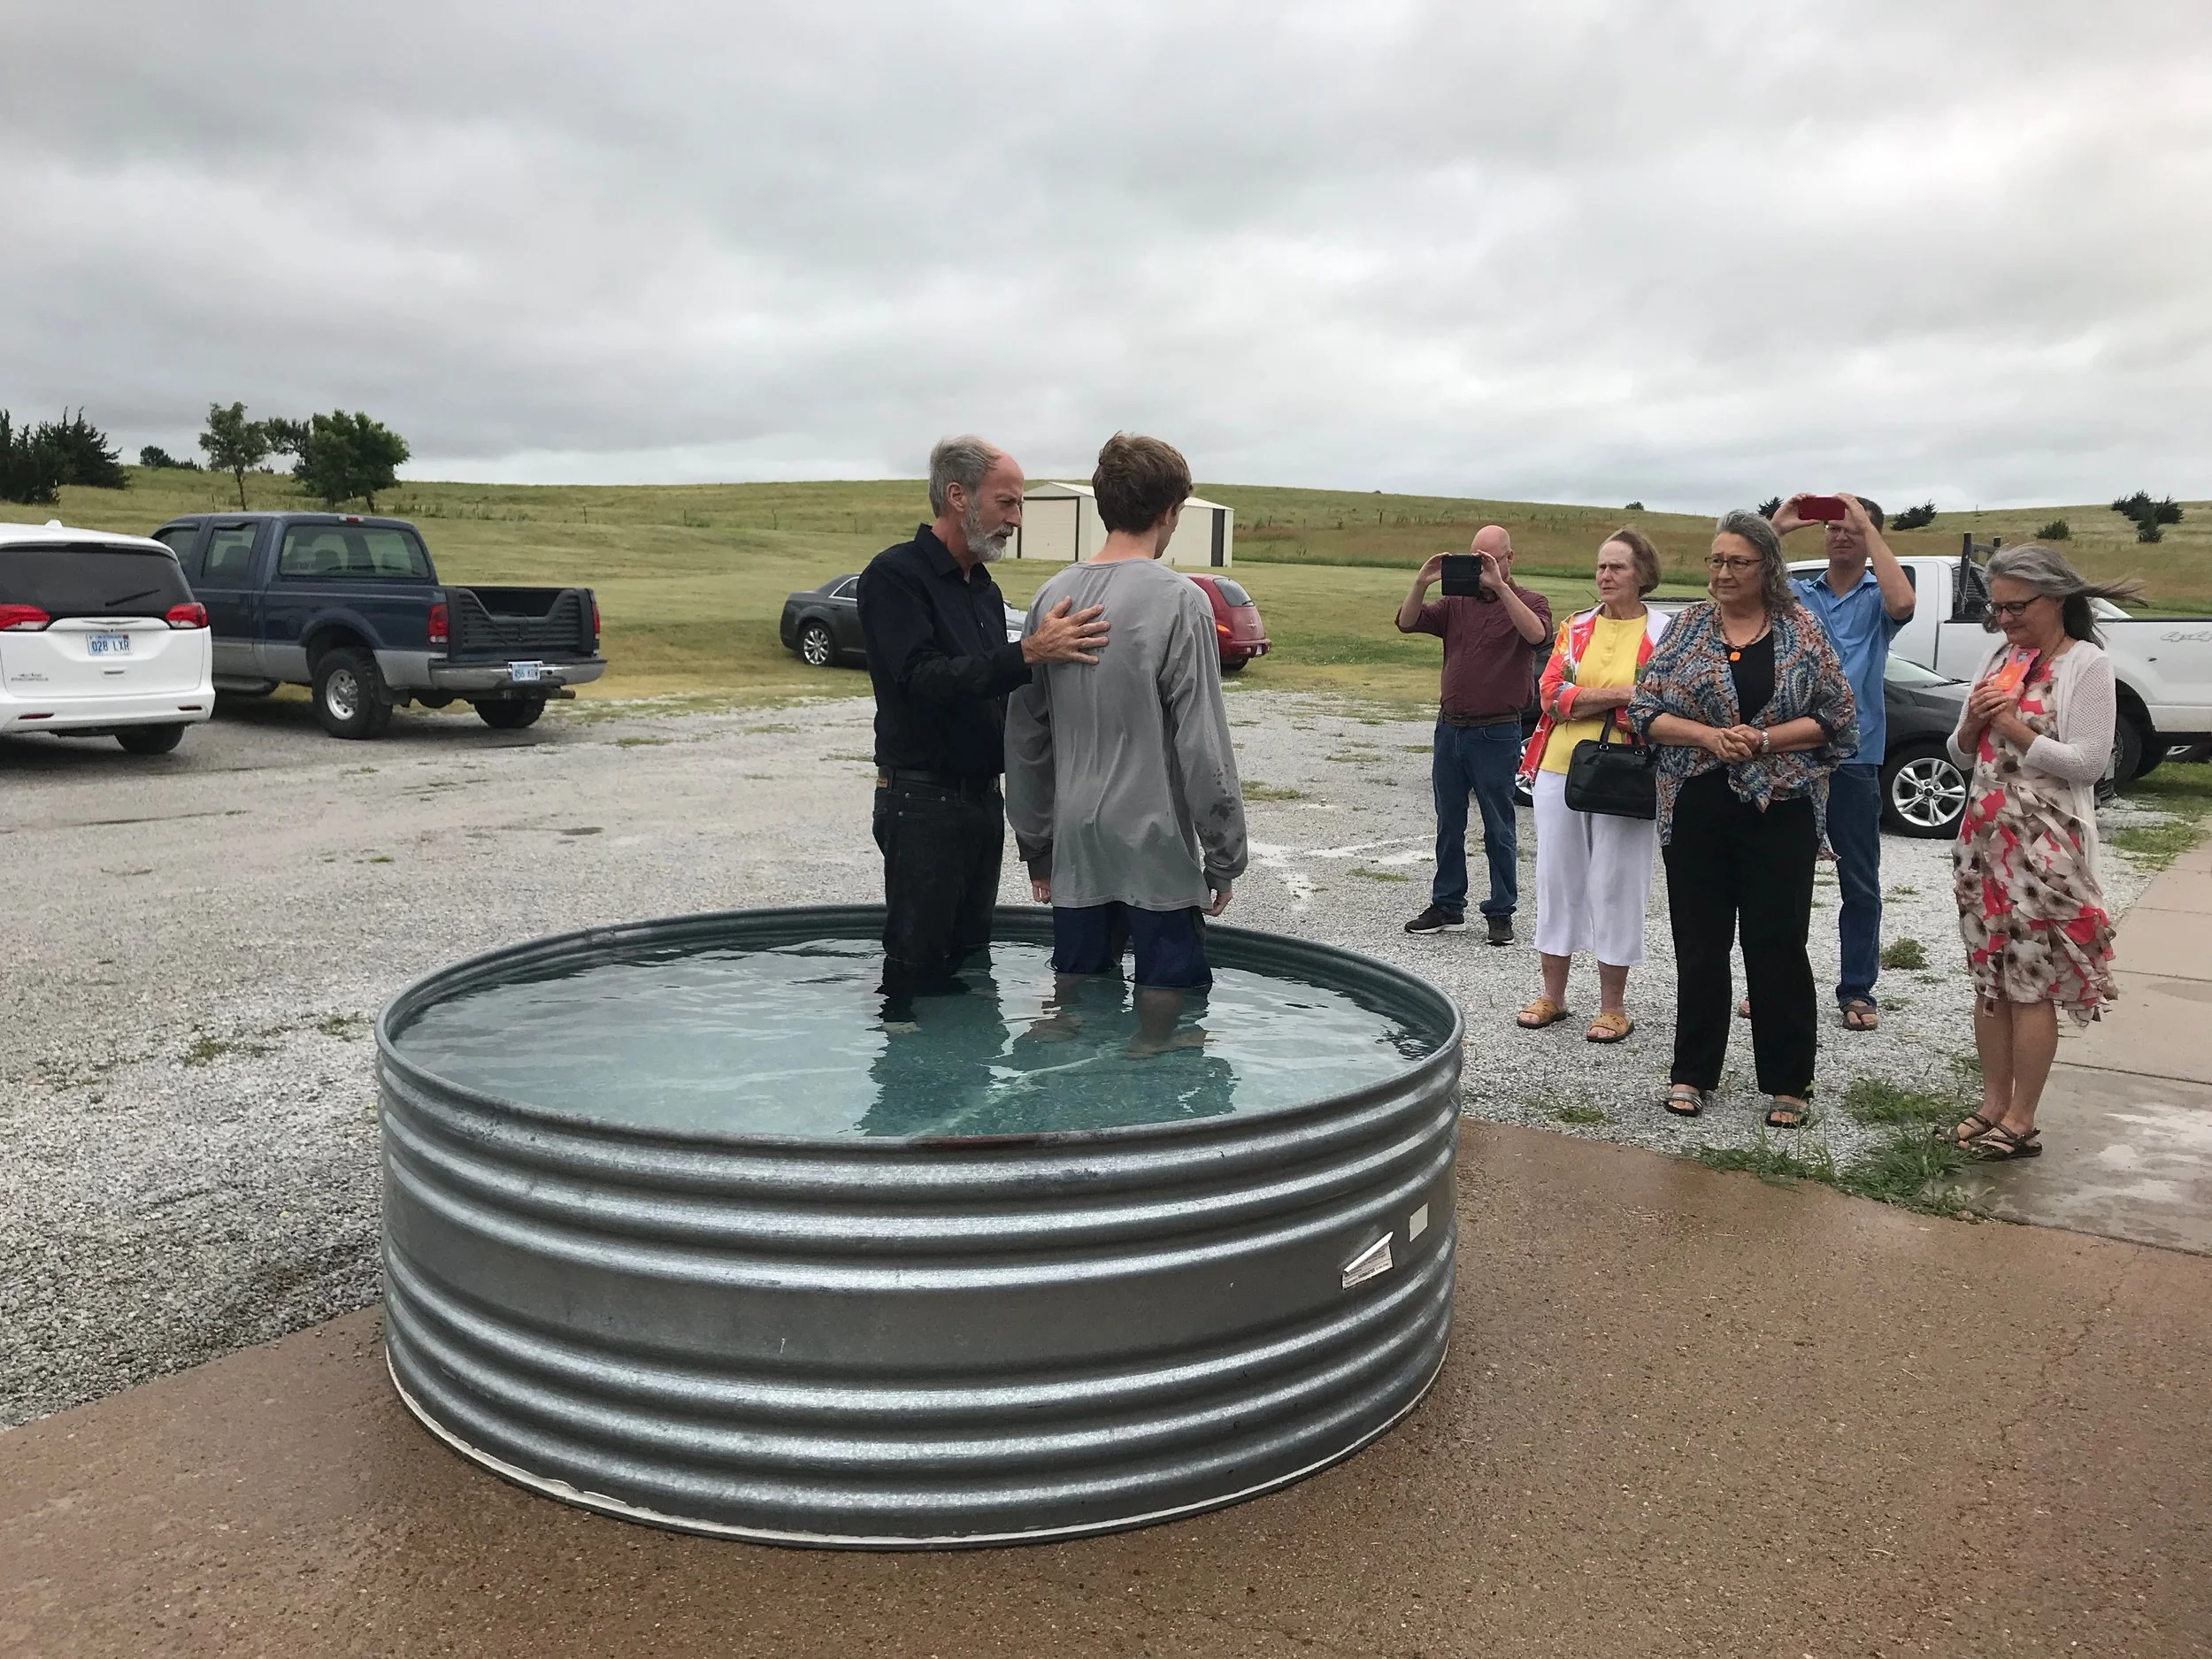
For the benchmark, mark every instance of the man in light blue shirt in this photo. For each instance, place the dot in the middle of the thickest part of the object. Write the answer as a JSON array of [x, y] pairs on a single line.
[[1862, 599]]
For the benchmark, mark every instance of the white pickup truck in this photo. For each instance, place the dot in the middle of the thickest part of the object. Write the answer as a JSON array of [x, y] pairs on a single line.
[[2163, 664]]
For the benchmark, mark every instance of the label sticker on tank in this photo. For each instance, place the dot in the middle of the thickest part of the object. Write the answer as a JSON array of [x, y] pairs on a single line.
[[1371, 1263], [1417, 1224]]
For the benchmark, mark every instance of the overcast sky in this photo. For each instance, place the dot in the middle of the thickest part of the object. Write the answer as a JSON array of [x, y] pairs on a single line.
[[1690, 253]]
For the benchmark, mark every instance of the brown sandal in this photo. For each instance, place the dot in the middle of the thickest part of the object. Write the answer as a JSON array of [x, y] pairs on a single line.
[[1608, 1027], [1960, 1135], [1542, 1012], [1861, 1014], [2000, 1145]]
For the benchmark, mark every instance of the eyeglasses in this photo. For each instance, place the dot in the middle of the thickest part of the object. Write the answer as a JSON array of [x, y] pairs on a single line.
[[2013, 610], [1736, 566]]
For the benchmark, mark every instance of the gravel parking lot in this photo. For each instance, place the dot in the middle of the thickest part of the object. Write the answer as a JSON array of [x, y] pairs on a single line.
[[199, 942]]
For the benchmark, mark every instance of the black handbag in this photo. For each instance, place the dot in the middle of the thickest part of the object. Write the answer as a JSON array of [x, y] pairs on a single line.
[[1620, 779]]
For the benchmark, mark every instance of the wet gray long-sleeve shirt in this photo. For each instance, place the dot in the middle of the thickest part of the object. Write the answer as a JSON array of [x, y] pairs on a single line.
[[1120, 778]]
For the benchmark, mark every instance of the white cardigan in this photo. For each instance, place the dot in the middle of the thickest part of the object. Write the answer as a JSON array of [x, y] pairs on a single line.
[[2078, 751]]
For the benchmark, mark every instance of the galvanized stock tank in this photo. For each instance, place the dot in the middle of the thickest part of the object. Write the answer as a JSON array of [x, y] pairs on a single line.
[[916, 1343]]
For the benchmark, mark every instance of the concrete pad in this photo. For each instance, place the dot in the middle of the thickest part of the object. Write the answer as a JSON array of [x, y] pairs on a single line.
[[2124, 1156], [2178, 888], [2159, 1027], [1684, 1413], [2198, 858], [2175, 944]]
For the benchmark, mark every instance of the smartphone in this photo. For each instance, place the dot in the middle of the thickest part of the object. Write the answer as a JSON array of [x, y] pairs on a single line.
[[1826, 509], [1462, 576]]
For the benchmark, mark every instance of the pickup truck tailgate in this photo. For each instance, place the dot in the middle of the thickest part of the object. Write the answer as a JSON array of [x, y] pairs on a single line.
[[549, 623]]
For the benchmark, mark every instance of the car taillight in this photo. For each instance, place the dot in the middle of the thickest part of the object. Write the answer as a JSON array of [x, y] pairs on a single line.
[[23, 619], [191, 616], [1221, 627], [438, 623], [594, 622]]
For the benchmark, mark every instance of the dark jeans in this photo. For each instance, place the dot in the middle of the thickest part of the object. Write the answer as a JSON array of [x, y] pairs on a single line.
[[1726, 861], [1480, 761], [1855, 830], [941, 849]]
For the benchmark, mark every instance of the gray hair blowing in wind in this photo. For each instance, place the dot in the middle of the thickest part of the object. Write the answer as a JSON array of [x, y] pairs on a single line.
[[2045, 570]]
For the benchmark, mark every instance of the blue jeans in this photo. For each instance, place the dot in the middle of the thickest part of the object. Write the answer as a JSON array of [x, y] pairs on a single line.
[[1480, 761], [1855, 830]]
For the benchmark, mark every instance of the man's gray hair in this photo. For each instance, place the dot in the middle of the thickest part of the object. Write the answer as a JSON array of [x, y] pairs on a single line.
[[1766, 542], [964, 461], [2047, 572]]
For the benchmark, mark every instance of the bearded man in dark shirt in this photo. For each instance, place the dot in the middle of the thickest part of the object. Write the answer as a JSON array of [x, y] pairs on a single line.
[[1494, 643], [934, 625]]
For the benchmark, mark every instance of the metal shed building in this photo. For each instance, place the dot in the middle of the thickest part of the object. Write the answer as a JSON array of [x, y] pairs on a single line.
[[1060, 523]]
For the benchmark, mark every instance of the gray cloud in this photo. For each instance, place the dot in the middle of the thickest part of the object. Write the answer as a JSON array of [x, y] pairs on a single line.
[[1565, 251]]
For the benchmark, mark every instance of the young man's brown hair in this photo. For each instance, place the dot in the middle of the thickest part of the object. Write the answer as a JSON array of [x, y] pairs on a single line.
[[1139, 478]]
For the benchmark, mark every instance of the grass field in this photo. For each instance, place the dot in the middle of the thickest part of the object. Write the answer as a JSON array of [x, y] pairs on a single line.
[[692, 578]]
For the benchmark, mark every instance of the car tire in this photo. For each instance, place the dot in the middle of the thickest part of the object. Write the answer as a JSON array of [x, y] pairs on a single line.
[[816, 647], [149, 740], [350, 698], [1236, 667], [2128, 749], [1923, 792], [510, 714]]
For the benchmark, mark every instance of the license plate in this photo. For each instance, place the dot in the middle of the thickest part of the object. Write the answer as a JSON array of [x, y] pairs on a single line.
[[525, 673], [108, 644]]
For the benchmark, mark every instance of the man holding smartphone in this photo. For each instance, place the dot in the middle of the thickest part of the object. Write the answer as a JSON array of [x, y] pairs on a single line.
[[1494, 638], [1863, 598]]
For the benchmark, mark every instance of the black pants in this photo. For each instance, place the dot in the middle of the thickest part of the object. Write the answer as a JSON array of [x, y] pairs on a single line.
[[941, 849], [1727, 860]]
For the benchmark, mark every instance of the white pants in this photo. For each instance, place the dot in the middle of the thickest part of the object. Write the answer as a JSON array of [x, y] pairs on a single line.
[[1592, 879]]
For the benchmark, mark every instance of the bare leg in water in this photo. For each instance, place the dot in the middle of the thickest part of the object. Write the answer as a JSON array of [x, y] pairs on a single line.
[[1158, 1013]]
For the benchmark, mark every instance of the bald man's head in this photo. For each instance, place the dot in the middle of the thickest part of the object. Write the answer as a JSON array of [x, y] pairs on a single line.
[[1492, 538]]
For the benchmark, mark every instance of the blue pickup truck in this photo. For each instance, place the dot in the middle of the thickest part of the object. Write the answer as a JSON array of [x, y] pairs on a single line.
[[352, 607]]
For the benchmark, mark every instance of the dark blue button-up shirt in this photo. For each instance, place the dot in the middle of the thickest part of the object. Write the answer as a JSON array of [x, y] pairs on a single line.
[[939, 658]]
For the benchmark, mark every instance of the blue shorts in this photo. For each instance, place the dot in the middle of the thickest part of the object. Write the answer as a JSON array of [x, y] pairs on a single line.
[[1171, 944]]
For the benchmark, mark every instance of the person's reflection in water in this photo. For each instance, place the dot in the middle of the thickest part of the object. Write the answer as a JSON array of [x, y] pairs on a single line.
[[935, 1065], [954, 1067]]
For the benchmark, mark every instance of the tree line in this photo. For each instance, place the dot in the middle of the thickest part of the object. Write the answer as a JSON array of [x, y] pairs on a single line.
[[336, 458]]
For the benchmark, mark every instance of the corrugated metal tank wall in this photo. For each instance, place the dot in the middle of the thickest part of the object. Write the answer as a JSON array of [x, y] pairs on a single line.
[[914, 1343]]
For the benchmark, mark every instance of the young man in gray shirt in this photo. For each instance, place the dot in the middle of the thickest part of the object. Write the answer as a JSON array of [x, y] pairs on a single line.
[[1121, 784]]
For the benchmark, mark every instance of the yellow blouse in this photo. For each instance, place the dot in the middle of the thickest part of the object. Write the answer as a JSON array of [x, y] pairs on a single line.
[[1610, 660]]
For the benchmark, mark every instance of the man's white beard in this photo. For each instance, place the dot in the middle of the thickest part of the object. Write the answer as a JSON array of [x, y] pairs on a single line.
[[987, 549]]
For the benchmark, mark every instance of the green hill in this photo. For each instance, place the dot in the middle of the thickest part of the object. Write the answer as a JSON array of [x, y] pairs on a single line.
[[691, 578]]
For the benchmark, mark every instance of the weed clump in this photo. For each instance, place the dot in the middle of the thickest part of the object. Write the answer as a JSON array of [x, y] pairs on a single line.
[[1904, 953]]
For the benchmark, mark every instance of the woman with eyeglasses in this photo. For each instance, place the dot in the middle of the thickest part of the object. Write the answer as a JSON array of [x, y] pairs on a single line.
[[1751, 711], [2037, 731]]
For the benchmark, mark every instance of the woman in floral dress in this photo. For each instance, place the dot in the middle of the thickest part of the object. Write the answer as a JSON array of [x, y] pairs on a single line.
[[2037, 731]]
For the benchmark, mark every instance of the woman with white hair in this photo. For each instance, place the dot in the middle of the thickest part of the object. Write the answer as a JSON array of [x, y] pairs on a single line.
[[2037, 731]]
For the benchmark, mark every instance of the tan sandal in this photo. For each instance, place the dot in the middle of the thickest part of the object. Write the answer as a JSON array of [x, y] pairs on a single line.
[[1608, 1027], [1542, 1012]]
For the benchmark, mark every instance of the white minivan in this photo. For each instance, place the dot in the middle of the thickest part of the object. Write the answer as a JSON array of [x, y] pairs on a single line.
[[99, 637]]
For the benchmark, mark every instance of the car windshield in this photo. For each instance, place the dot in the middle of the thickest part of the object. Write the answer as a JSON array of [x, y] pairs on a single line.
[[1898, 672], [353, 549], [92, 581], [1230, 594]]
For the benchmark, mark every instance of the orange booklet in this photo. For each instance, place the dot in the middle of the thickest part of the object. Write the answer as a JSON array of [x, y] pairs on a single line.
[[2012, 674]]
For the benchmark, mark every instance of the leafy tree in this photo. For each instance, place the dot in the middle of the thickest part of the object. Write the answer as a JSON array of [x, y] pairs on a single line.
[[1771, 505], [1634, 506], [154, 458], [286, 437], [85, 456], [2147, 529], [30, 464], [347, 456], [235, 444], [1915, 517], [2057, 530]]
